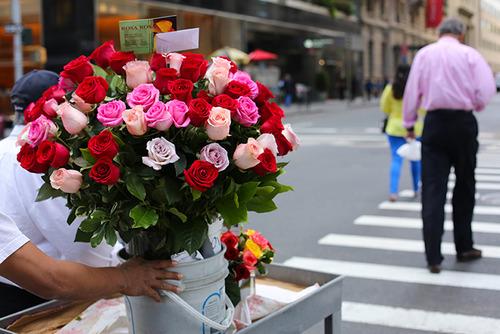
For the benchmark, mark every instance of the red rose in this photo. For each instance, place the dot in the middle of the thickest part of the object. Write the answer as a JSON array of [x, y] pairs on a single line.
[[264, 94], [102, 54], [270, 109], [157, 62], [199, 110], [241, 272], [103, 145], [77, 69], [33, 111], [234, 67], [226, 102], [232, 254], [267, 163], [27, 159], [193, 67], [249, 260], [105, 172], [236, 89], [201, 175], [181, 89], [284, 146], [229, 239], [54, 92], [92, 89], [272, 125], [163, 77], [52, 153], [119, 59], [202, 94]]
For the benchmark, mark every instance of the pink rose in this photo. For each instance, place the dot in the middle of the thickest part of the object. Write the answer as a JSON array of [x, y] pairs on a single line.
[[245, 78], [138, 72], [135, 121], [74, 121], [68, 181], [80, 104], [267, 140], [291, 136], [66, 84], [174, 60], [247, 113], [218, 123], [41, 129], [158, 117], [246, 155], [216, 155], [110, 114], [179, 111], [144, 95], [218, 75], [50, 108]]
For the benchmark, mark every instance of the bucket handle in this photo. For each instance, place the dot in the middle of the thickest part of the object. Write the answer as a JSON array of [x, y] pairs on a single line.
[[223, 326]]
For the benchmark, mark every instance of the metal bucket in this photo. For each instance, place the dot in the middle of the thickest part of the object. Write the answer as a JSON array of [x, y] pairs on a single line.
[[199, 309]]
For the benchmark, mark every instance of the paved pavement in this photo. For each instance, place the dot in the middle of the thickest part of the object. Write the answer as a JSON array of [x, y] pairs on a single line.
[[338, 221]]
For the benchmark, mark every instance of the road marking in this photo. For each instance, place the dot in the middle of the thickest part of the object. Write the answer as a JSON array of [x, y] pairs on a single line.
[[480, 177], [397, 273], [481, 164], [487, 170], [413, 206], [480, 185], [317, 130], [400, 245], [416, 223], [435, 322], [407, 193]]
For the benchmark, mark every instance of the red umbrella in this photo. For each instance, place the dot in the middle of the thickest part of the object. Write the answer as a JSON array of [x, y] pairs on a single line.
[[259, 55]]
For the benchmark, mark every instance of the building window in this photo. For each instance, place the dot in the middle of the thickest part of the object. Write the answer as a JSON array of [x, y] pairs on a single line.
[[369, 6], [370, 59]]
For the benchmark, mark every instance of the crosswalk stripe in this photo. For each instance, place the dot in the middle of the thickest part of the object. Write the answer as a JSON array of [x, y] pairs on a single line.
[[416, 223], [480, 185], [487, 170], [480, 177], [485, 164], [413, 206], [397, 273], [401, 245], [435, 322], [407, 193]]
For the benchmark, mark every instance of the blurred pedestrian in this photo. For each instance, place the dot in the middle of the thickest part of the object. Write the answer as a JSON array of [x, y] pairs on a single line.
[[288, 89], [368, 89], [450, 80], [391, 103]]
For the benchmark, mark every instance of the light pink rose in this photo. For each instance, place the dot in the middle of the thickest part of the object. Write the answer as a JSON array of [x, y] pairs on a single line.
[[22, 137], [144, 95], [74, 121], [158, 117], [216, 155], [179, 111], [41, 129], [68, 181], [245, 78], [66, 84], [218, 123], [267, 140], [175, 60], [110, 114], [135, 121], [247, 113], [160, 153], [50, 108], [218, 75], [246, 155], [80, 104], [138, 72], [291, 136]]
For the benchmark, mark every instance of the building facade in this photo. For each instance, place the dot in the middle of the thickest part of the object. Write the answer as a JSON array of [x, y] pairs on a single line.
[[489, 32]]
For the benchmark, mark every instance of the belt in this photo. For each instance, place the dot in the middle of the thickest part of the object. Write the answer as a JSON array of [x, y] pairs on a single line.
[[449, 111]]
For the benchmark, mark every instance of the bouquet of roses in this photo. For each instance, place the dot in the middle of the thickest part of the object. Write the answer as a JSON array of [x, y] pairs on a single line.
[[245, 252], [155, 151]]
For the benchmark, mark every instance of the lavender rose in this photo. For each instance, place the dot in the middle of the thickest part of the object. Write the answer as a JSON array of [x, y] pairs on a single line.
[[160, 153], [247, 113], [216, 155], [158, 117], [144, 95], [110, 114]]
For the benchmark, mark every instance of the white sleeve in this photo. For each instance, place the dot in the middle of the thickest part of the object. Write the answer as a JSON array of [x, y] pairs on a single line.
[[11, 239]]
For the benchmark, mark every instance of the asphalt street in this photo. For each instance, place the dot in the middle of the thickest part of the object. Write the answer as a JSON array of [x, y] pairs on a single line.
[[337, 220]]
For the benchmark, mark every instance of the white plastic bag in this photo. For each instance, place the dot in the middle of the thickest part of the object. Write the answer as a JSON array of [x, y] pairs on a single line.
[[410, 150]]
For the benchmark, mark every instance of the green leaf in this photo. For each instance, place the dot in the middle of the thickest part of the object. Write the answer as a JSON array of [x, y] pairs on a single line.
[[90, 225], [46, 191], [110, 235], [232, 214], [135, 187], [247, 191], [87, 156], [99, 214], [71, 216], [236, 200], [82, 236], [99, 72], [196, 194], [180, 165], [97, 237], [172, 190], [192, 235], [143, 217], [179, 214], [261, 204], [233, 289]]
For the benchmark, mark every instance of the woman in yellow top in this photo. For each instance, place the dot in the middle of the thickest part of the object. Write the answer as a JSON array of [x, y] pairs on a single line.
[[391, 103]]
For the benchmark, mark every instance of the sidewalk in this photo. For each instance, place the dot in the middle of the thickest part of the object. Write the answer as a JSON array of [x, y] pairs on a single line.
[[328, 105]]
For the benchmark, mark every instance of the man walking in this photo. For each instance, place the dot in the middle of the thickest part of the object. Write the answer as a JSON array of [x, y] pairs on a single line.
[[449, 80]]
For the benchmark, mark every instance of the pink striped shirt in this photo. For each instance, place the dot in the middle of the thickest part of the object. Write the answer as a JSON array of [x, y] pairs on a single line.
[[447, 75]]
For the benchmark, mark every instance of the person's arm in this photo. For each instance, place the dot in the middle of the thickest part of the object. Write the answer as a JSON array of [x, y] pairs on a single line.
[[49, 278], [384, 100], [483, 81], [412, 94]]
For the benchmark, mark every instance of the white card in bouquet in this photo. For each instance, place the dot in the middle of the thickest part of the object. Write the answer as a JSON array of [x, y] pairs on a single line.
[[186, 39]]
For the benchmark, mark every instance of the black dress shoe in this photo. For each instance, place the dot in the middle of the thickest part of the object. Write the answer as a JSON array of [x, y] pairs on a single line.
[[434, 268], [470, 255]]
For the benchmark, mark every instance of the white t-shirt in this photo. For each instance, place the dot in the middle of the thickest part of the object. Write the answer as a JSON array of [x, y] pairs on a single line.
[[44, 223], [11, 239]]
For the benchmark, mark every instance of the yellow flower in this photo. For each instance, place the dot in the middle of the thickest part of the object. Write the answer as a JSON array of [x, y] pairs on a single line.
[[254, 248], [250, 232]]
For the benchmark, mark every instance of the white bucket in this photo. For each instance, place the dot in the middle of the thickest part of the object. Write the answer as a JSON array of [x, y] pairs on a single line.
[[199, 309]]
